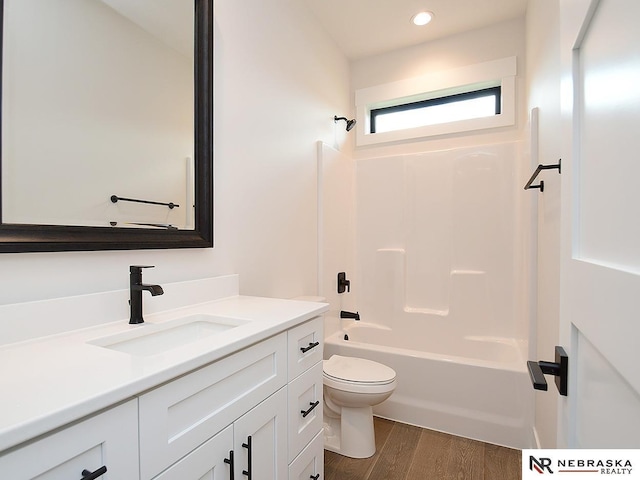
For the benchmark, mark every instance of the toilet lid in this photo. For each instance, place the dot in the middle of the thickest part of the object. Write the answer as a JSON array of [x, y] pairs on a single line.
[[358, 370]]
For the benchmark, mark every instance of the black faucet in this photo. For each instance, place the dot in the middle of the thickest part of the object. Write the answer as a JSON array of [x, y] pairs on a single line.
[[343, 283], [344, 314], [135, 292]]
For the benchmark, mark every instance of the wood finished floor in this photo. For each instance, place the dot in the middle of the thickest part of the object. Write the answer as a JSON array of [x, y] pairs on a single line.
[[404, 452]]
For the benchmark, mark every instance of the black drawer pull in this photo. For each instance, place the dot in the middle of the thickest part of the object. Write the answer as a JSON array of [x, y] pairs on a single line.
[[314, 477], [229, 461], [311, 345], [313, 405], [87, 475], [247, 445]]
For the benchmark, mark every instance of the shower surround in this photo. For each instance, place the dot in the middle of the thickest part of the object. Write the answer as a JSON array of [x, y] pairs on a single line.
[[441, 282], [440, 237]]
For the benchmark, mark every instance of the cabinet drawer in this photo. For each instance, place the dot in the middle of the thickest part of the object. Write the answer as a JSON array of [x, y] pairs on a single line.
[[181, 415], [305, 409], [310, 463], [109, 439], [305, 346], [206, 461]]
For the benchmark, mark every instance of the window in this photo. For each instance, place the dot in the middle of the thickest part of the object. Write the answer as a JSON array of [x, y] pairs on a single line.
[[465, 99], [450, 108]]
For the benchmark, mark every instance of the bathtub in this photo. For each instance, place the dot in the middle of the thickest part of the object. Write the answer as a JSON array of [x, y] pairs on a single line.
[[475, 387]]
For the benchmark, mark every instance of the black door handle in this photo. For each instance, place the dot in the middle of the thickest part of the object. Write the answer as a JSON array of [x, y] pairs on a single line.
[[559, 369], [537, 377], [87, 475]]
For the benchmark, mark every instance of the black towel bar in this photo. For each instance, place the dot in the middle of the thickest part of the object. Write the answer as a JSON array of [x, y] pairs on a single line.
[[115, 198], [537, 172]]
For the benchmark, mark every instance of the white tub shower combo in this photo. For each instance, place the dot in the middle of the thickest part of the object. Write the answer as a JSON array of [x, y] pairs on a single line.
[[439, 277]]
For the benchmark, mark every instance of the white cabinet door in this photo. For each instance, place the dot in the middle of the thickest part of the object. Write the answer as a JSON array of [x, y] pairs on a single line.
[[106, 441], [211, 461], [260, 440]]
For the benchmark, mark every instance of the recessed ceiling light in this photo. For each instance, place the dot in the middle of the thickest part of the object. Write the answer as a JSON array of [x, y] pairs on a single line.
[[422, 18]]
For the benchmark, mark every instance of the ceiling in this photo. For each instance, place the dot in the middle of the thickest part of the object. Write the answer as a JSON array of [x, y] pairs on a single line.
[[369, 27]]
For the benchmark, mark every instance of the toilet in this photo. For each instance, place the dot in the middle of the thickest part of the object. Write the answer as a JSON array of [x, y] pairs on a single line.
[[352, 386]]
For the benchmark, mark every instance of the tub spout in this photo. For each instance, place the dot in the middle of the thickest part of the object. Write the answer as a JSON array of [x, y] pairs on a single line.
[[345, 314]]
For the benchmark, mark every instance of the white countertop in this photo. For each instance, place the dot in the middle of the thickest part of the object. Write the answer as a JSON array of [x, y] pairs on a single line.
[[51, 381]]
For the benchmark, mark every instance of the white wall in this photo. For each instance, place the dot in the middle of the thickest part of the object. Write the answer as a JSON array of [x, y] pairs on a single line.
[[543, 88], [506, 39], [279, 81]]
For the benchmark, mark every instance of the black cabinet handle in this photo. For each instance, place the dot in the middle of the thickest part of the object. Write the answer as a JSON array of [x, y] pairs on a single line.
[[87, 475], [311, 345], [247, 445], [229, 461], [307, 412], [314, 477]]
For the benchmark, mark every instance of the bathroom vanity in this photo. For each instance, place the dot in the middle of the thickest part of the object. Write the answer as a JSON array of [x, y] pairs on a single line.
[[224, 389]]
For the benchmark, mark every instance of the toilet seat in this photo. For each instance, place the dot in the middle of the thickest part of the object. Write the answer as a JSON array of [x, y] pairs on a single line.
[[358, 375], [360, 370]]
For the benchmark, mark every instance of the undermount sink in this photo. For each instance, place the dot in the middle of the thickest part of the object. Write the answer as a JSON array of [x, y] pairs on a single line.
[[154, 338]]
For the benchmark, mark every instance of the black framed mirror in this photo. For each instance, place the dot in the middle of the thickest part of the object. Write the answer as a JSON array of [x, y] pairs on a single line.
[[32, 237]]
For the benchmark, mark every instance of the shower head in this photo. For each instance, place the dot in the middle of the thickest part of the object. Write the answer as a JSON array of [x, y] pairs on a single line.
[[350, 123]]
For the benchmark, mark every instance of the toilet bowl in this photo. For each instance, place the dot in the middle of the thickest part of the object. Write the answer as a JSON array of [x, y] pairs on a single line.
[[352, 386]]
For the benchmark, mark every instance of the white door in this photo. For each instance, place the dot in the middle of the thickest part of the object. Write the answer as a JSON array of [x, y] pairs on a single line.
[[600, 286]]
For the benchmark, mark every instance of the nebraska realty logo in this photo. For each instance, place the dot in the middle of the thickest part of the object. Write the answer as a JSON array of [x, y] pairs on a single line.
[[579, 464]]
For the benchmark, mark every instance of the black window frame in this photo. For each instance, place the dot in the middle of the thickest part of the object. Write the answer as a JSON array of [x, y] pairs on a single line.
[[484, 92]]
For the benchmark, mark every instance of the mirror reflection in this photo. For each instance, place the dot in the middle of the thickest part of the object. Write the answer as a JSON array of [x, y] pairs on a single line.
[[98, 101]]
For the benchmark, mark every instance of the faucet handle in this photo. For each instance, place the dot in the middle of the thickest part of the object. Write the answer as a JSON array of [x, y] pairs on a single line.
[[138, 268], [343, 283]]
